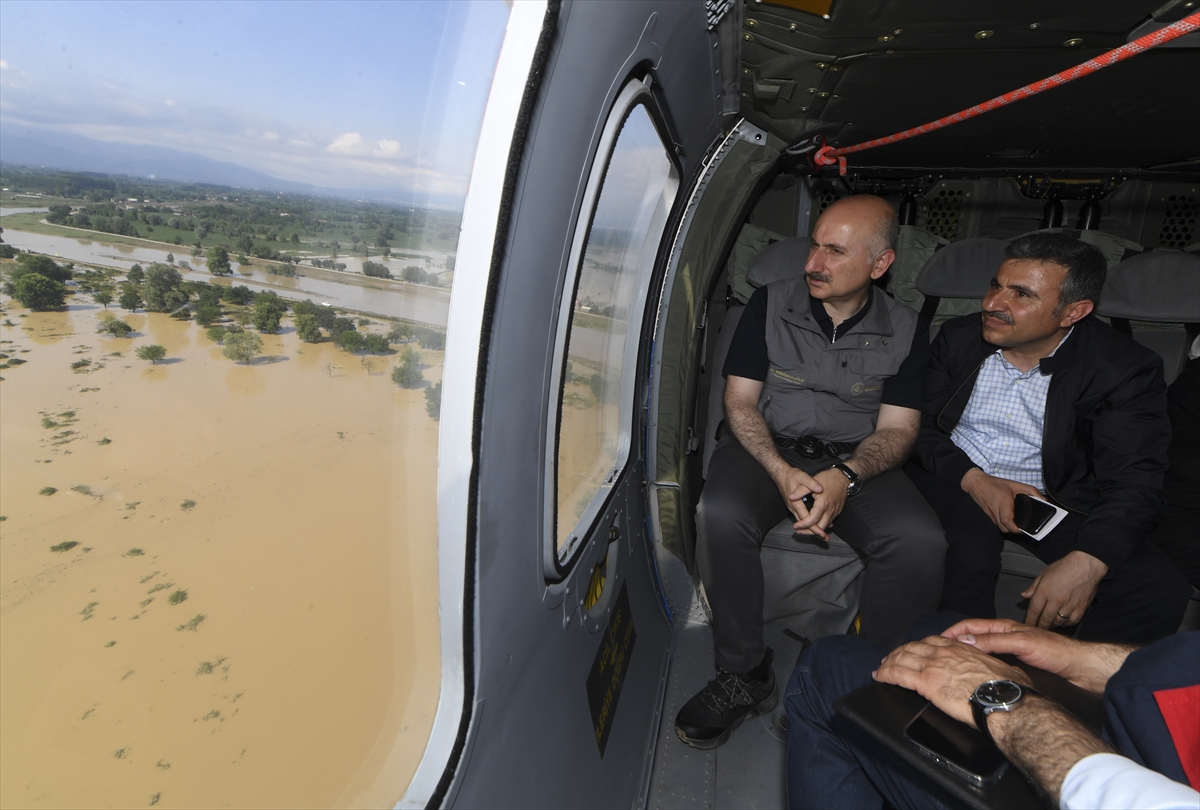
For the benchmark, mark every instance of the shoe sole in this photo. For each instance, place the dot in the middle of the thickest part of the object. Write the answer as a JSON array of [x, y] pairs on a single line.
[[762, 708]]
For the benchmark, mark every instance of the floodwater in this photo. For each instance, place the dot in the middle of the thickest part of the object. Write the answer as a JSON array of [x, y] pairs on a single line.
[[289, 507], [350, 290]]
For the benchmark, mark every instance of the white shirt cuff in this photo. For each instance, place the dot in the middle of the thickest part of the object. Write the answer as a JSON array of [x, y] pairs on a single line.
[[1104, 781]]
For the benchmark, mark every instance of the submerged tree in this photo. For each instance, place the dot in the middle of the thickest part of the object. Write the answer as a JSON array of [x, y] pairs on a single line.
[[131, 299], [242, 347], [39, 293], [103, 298], [433, 401], [408, 373], [307, 328], [218, 261], [112, 325], [153, 353]]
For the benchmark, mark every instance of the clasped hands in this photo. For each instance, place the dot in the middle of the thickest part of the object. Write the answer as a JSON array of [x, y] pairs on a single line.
[[1062, 593], [829, 489]]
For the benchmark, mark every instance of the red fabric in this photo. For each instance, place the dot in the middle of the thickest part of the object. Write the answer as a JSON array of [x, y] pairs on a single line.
[[829, 156], [1181, 710]]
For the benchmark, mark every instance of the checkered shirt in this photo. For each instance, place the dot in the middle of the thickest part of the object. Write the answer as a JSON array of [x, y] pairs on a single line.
[[1001, 427]]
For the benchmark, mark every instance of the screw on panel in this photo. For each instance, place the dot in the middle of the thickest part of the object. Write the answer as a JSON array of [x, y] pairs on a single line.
[[1034, 26], [983, 34], [835, 68], [898, 32], [748, 37], [885, 38], [751, 23], [1074, 42], [792, 27]]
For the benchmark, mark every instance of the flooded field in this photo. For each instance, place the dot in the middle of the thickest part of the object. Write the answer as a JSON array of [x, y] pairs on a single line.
[[350, 289], [219, 580]]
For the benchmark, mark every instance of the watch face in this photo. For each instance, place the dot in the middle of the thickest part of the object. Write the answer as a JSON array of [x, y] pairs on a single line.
[[998, 693]]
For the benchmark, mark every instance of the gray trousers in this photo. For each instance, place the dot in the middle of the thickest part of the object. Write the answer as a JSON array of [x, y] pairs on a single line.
[[887, 521]]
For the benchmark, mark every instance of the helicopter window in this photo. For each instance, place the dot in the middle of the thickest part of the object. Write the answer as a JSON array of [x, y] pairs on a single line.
[[226, 592], [595, 397]]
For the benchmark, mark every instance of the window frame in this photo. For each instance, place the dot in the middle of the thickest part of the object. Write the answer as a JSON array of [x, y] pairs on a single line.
[[636, 92]]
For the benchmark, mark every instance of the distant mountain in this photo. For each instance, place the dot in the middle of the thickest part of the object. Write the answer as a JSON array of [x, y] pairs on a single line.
[[74, 153]]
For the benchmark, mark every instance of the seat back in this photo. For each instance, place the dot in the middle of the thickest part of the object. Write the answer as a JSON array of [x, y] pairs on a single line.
[[1161, 286], [962, 269]]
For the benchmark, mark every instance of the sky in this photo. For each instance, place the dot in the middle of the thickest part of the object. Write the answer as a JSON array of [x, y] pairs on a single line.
[[383, 96]]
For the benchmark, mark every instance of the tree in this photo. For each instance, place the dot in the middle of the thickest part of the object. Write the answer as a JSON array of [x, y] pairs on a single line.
[[307, 328], [42, 265], [39, 293], [131, 299], [414, 274], [161, 291], [153, 353], [136, 274], [433, 401], [350, 340], [112, 325], [216, 334], [170, 258], [244, 244], [241, 294], [268, 311], [376, 344], [102, 297], [408, 373], [242, 347], [207, 314], [376, 269], [218, 261], [201, 232]]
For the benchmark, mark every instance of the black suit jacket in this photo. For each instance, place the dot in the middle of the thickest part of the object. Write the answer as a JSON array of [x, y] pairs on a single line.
[[1105, 437]]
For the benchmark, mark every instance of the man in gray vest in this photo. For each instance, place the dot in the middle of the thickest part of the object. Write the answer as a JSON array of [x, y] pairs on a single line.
[[823, 395]]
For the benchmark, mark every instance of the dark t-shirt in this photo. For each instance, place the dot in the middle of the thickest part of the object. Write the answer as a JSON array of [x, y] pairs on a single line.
[[748, 351]]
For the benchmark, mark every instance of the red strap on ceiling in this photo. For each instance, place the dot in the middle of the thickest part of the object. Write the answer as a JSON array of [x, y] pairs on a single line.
[[828, 156]]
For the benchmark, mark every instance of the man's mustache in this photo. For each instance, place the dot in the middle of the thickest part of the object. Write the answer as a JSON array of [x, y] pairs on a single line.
[[818, 277], [1000, 316]]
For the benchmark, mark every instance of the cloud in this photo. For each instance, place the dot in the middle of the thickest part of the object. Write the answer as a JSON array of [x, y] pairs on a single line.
[[388, 149], [271, 136], [3, 65], [351, 143]]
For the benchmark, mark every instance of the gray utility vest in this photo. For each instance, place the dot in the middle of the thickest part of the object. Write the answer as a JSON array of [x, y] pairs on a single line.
[[823, 389]]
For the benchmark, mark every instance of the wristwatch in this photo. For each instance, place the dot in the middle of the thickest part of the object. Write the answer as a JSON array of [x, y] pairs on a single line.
[[996, 696], [855, 481]]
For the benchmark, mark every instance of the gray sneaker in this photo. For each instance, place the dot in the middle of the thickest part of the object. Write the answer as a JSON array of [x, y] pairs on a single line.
[[710, 717]]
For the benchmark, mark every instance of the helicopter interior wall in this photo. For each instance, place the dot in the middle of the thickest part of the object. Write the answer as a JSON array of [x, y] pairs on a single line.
[[535, 647]]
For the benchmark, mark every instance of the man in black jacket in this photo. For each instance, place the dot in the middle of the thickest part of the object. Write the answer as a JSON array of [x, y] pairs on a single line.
[[1054, 404]]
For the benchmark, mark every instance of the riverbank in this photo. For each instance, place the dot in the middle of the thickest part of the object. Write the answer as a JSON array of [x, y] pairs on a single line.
[[292, 504]]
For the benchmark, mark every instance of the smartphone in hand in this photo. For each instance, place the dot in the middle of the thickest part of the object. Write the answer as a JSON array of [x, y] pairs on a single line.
[[1035, 517]]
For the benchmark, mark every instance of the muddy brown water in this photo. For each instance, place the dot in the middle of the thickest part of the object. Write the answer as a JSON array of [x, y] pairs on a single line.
[[310, 552]]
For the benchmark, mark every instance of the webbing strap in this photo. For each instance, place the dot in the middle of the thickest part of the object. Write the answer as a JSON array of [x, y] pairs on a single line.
[[828, 156]]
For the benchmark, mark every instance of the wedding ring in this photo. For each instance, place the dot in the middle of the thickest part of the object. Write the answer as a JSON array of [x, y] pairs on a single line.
[[1064, 618]]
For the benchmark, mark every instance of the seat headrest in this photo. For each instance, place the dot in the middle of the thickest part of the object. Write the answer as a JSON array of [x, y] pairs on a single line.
[[784, 259], [962, 269], [1161, 286]]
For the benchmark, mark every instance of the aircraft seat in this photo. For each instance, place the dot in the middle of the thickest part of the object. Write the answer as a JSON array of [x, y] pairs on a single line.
[[1157, 287], [962, 269]]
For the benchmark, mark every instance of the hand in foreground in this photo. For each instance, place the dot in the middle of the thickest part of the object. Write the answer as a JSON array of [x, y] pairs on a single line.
[[793, 485], [1084, 664], [996, 496], [945, 672], [828, 503], [1064, 590]]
